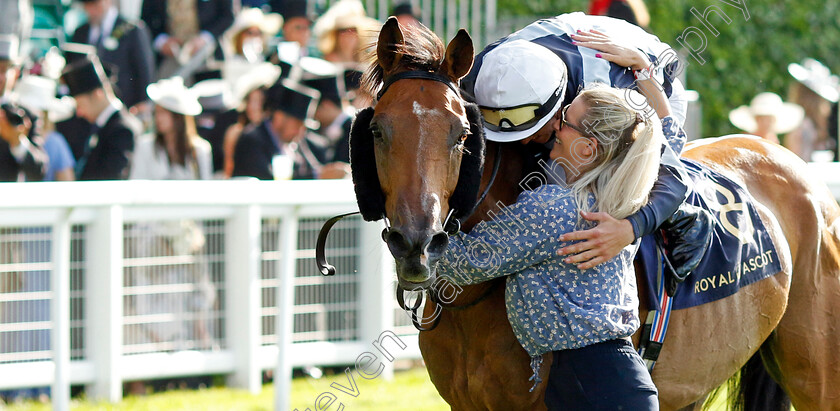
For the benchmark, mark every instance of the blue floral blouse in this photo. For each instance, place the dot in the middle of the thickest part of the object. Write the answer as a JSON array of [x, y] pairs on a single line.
[[551, 305]]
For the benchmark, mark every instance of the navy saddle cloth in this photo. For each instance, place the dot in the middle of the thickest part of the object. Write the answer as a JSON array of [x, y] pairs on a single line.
[[741, 251]]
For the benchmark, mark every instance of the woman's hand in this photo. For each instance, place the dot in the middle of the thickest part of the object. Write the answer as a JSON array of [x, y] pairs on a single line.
[[610, 50], [601, 243]]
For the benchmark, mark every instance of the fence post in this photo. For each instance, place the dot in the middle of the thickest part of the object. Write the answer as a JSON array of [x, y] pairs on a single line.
[[376, 308], [60, 311], [285, 309], [242, 281], [104, 301]]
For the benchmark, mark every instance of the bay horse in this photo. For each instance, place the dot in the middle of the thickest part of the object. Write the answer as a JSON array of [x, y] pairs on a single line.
[[416, 159]]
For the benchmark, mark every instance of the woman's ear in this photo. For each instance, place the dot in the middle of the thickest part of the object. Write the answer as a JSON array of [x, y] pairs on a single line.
[[590, 148]]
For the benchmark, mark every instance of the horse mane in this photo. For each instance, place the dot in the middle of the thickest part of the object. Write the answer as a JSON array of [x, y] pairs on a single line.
[[422, 51]]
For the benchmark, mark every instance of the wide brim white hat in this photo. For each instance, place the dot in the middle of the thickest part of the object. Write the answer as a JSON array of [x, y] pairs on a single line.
[[788, 115], [174, 96], [10, 48], [345, 14], [37, 94], [268, 23], [518, 73], [817, 77], [246, 77], [215, 95]]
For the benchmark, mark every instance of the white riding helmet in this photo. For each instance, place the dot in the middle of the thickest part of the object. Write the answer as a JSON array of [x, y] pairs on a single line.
[[519, 88]]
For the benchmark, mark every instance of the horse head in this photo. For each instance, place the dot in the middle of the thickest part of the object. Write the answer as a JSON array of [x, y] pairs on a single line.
[[417, 155]]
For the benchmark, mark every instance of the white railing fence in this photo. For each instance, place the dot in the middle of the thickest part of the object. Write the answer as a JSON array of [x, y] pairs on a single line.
[[107, 282]]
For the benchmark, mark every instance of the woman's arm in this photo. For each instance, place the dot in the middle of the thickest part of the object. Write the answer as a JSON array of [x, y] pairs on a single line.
[[521, 235]]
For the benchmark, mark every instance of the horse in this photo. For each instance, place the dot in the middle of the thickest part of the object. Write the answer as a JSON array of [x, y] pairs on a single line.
[[418, 160]]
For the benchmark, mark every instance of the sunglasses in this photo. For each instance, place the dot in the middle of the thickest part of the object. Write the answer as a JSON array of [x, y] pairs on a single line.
[[520, 117], [563, 122]]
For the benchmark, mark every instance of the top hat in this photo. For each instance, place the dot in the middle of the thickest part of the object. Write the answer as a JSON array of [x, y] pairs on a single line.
[[202, 75], [296, 100], [328, 86], [295, 8], [817, 77], [352, 78], [74, 52], [9, 48], [788, 115], [322, 75], [405, 8], [15, 114], [84, 75]]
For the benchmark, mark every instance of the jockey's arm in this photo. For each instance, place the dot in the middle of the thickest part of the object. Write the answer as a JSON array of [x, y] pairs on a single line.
[[670, 189]]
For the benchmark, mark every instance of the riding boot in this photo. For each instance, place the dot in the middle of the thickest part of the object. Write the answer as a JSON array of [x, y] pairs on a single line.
[[687, 235]]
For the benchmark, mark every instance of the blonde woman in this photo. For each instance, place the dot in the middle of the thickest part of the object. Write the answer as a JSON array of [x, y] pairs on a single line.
[[607, 155]]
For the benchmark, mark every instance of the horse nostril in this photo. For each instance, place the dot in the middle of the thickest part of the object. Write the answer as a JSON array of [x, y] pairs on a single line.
[[397, 243], [437, 245]]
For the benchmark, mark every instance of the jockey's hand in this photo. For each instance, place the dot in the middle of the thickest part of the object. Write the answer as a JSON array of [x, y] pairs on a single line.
[[601, 243], [611, 50]]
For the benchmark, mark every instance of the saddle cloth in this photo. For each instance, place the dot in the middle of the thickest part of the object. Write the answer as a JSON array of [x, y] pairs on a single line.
[[741, 251]]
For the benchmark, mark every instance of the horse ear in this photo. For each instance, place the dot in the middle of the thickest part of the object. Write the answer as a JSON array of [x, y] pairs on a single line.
[[464, 197], [459, 56], [387, 47], [369, 194]]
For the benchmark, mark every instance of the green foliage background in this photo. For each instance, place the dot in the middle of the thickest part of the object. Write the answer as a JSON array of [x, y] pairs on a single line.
[[748, 57]]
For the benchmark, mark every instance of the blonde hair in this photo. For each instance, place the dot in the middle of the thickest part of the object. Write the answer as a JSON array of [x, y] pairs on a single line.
[[627, 154]]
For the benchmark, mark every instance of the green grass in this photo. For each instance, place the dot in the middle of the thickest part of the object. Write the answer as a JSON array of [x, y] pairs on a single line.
[[409, 391]]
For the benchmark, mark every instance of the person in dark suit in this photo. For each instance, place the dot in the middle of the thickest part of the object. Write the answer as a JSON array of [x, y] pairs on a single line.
[[123, 44], [107, 152], [20, 155], [334, 116], [192, 24], [280, 147], [297, 23]]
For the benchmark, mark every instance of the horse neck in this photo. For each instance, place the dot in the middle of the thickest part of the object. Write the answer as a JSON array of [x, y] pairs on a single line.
[[506, 187], [505, 190]]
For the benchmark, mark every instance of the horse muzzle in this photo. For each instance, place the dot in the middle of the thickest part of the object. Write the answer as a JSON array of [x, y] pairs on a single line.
[[416, 255]]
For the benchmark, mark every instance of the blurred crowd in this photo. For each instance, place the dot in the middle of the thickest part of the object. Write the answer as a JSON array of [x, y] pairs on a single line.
[[807, 125], [193, 90]]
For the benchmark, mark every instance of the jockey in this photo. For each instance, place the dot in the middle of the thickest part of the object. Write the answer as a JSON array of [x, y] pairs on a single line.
[[502, 88]]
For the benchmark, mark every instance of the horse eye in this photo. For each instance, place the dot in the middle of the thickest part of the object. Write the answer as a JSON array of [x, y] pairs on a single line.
[[463, 138], [376, 131]]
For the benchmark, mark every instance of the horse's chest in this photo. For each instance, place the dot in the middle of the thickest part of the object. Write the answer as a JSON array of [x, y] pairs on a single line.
[[477, 363]]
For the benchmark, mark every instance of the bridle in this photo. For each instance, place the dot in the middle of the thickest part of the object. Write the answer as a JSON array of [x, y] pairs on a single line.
[[451, 224]]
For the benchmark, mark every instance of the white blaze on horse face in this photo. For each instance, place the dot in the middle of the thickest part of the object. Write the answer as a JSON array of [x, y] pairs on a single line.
[[426, 116], [434, 206]]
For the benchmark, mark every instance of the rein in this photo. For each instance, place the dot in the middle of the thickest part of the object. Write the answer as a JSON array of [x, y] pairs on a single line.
[[451, 225]]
